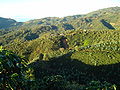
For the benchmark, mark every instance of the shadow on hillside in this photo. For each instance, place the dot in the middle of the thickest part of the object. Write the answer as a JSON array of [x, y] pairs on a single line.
[[75, 70], [108, 25]]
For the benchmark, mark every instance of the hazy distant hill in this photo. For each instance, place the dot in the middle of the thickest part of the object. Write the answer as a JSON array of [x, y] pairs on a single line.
[[100, 19], [7, 23]]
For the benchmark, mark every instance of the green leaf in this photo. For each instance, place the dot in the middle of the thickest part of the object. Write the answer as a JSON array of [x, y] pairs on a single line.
[[1, 48], [14, 75]]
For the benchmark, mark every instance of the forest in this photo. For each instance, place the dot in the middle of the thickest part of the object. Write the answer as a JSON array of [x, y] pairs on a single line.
[[80, 52]]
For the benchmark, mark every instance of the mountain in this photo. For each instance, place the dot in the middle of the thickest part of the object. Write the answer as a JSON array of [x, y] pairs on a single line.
[[95, 31], [7, 23], [79, 52], [100, 19], [103, 19], [86, 21]]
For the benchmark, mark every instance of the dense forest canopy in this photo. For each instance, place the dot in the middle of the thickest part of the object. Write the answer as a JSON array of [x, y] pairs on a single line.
[[73, 52]]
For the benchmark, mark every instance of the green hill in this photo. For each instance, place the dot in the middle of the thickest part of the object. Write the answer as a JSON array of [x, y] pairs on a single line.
[[7, 23], [88, 21], [104, 19], [81, 51]]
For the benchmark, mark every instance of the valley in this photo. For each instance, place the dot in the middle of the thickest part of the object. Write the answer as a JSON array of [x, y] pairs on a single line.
[[80, 52]]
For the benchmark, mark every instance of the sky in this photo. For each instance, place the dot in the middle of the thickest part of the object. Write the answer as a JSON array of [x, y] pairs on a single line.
[[24, 10]]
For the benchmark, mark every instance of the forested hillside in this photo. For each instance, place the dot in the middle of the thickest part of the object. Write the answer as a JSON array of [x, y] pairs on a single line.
[[80, 52]]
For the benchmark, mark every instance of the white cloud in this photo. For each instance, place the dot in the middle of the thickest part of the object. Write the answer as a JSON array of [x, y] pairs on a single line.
[[45, 8]]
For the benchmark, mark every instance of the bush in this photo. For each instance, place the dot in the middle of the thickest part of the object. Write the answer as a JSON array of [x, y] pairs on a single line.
[[11, 70]]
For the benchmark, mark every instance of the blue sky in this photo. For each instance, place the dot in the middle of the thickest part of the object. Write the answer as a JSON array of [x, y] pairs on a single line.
[[24, 10]]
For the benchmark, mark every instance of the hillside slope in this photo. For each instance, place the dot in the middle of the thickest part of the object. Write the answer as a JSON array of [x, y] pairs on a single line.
[[80, 51], [7, 23], [104, 19]]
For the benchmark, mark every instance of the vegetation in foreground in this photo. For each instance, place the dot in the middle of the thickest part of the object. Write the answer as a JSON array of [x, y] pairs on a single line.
[[15, 74]]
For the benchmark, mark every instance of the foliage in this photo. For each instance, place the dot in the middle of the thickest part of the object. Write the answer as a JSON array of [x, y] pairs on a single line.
[[11, 70], [80, 52]]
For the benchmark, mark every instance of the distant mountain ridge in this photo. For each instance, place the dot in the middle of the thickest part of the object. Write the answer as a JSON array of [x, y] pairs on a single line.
[[7, 23], [103, 19], [91, 20], [111, 15]]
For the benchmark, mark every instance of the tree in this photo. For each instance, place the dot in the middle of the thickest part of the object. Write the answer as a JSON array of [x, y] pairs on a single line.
[[12, 69]]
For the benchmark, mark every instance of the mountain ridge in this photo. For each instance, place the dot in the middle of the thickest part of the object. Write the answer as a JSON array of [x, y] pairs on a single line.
[[69, 18], [98, 20], [89, 45]]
